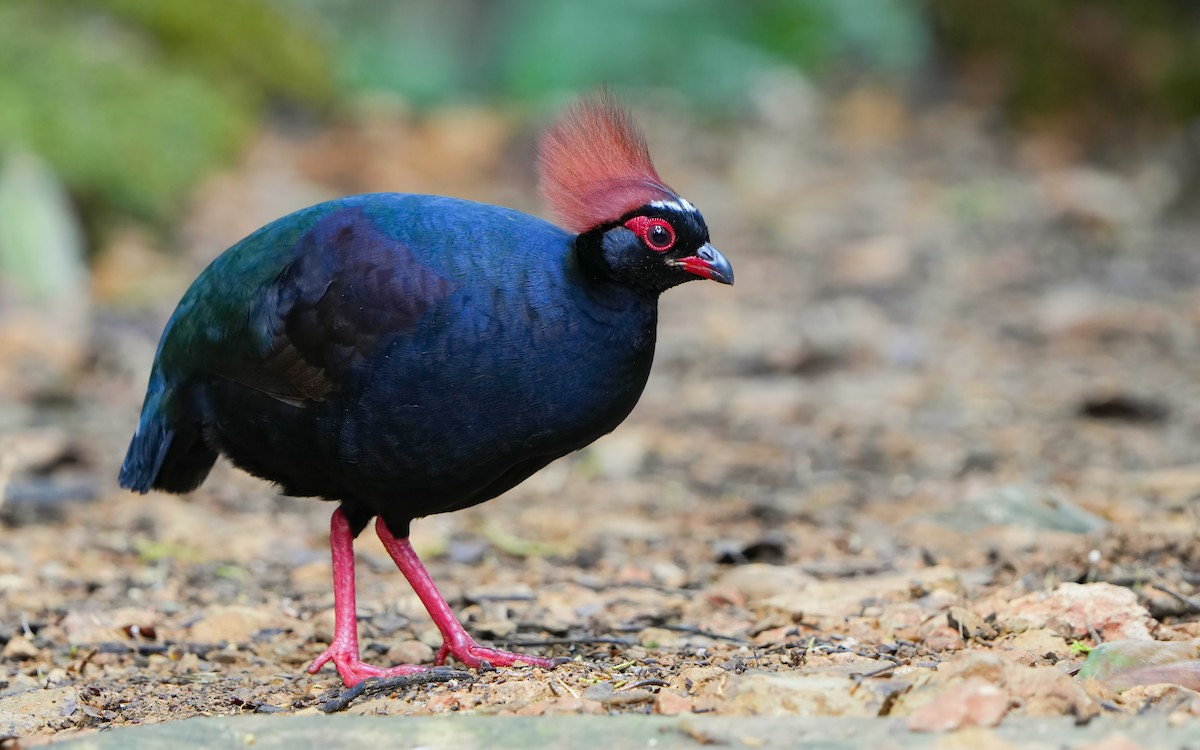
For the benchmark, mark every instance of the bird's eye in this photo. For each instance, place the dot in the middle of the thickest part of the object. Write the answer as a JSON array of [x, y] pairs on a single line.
[[658, 234]]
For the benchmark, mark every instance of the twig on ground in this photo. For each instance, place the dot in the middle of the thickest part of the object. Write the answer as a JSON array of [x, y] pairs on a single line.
[[690, 630], [646, 683], [693, 630], [881, 671], [569, 641], [145, 649], [609, 585], [1192, 606], [847, 570], [378, 685]]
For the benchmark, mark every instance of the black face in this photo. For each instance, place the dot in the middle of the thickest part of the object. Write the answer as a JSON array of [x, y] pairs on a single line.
[[656, 247]]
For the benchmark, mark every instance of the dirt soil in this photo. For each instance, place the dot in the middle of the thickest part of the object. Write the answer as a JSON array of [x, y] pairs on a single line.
[[944, 429]]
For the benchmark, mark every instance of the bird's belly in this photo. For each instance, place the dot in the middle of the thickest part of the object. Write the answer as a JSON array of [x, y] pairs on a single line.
[[436, 430], [465, 421]]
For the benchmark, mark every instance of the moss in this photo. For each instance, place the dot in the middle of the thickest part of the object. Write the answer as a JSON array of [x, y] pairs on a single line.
[[1116, 63], [133, 101]]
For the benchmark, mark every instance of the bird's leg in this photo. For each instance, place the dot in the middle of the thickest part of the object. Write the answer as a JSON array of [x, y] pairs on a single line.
[[344, 649], [455, 640]]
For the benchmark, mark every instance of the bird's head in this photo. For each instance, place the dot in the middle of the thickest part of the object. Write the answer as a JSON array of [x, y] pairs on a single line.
[[596, 173]]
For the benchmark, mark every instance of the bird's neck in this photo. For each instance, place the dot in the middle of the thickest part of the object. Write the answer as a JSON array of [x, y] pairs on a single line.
[[600, 281]]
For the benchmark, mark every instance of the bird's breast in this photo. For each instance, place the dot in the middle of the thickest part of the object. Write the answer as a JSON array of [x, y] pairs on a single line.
[[510, 381]]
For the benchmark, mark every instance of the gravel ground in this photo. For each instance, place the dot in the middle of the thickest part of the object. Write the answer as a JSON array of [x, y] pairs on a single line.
[[939, 438]]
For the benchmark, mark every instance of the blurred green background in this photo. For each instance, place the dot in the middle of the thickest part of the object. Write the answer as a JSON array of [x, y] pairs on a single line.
[[113, 111]]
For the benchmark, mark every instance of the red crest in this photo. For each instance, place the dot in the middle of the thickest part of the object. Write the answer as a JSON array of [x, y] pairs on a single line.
[[594, 166]]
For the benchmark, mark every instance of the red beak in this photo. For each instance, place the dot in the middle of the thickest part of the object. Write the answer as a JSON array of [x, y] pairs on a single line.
[[709, 263]]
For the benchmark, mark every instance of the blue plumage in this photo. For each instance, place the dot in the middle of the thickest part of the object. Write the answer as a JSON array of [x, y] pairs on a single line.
[[405, 354], [411, 354]]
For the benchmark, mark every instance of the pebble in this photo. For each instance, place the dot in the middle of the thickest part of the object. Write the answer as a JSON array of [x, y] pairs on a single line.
[[19, 648], [1074, 610], [28, 712], [974, 702], [231, 624], [757, 581], [410, 652]]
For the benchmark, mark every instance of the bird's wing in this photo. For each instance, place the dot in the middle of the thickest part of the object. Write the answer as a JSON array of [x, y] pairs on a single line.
[[349, 286]]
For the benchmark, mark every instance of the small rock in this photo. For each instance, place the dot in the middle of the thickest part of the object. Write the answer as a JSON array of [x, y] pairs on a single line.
[[600, 692], [671, 703], [669, 574], [1048, 691], [970, 625], [627, 698], [973, 702], [940, 599], [1039, 691], [515, 693], [1074, 610], [224, 656], [410, 652], [111, 625], [496, 628], [441, 703], [1034, 645], [19, 648], [28, 712], [757, 581], [691, 680], [843, 598], [56, 676], [660, 638], [788, 695], [941, 638], [431, 636], [1160, 698], [322, 625], [188, 663], [230, 624]]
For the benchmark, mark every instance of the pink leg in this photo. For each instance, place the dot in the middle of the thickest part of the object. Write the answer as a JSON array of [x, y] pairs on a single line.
[[455, 638], [344, 649]]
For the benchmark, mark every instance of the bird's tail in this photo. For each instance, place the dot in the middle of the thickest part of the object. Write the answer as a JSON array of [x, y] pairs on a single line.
[[167, 452]]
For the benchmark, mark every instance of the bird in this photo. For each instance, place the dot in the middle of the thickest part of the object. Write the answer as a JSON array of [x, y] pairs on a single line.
[[403, 355]]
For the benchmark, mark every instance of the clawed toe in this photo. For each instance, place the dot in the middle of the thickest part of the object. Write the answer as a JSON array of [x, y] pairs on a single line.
[[473, 655], [353, 670]]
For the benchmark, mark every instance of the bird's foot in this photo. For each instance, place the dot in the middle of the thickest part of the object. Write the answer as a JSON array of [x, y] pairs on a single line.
[[353, 670], [469, 653]]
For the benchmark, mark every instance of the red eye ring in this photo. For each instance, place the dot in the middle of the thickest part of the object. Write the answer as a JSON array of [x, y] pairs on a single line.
[[657, 234]]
